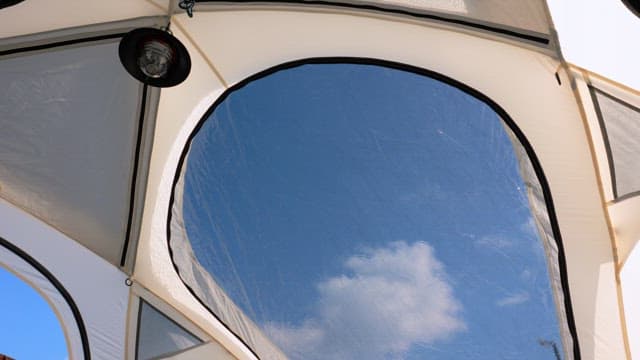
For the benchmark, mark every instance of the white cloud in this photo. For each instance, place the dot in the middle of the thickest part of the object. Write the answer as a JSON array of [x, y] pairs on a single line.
[[390, 299], [514, 299], [494, 242]]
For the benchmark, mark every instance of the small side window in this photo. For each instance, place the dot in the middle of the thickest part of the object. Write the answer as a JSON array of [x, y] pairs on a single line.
[[159, 336], [29, 328]]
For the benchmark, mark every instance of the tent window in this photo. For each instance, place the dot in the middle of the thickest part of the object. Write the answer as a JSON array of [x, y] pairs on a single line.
[[333, 211], [159, 336], [620, 125], [27, 320], [69, 120]]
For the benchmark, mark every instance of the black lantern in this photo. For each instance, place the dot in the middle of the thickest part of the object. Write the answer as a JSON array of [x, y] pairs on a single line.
[[154, 57]]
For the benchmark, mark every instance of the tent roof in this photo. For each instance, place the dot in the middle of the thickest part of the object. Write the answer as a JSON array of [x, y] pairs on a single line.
[[93, 154]]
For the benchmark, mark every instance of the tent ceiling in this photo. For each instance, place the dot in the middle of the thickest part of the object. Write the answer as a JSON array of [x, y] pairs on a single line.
[[228, 46], [524, 20], [34, 16]]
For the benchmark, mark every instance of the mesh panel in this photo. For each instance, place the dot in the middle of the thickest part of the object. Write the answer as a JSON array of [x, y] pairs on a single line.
[[68, 120], [620, 124], [158, 335]]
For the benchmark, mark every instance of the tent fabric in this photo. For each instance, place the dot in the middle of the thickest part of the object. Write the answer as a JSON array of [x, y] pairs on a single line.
[[528, 14], [69, 126], [210, 350], [229, 46], [39, 16], [524, 17], [620, 127], [159, 336], [631, 294]]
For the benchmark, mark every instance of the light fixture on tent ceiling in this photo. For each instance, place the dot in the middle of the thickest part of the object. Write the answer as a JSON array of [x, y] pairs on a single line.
[[7, 3], [154, 57], [633, 5]]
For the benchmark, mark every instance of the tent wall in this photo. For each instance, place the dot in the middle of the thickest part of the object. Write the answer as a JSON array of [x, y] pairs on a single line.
[[622, 209], [97, 288], [523, 82], [631, 294]]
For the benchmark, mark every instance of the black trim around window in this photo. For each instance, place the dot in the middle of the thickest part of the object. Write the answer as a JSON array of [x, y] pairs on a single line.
[[7, 3], [633, 6], [562, 263], [537, 38], [61, 289]]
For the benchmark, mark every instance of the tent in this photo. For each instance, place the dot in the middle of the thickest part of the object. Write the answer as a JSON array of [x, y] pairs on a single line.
[[92, 160]]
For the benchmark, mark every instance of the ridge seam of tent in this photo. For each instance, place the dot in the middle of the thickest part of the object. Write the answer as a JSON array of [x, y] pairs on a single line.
[[156, 5], [590, 74], [201, 52]]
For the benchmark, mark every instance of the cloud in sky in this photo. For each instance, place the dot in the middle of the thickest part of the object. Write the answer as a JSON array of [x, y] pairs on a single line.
[[390, 299], [514, 299], [494, 242]]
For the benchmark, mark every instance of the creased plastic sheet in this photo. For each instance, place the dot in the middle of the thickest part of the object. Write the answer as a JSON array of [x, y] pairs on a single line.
[[160, 336], [68, 123], [621, 124], [205, 287], [32, 276], [356, 211]]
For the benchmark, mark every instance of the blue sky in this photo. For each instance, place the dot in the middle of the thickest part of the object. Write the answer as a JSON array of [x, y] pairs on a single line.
[[356, 211], [29, 329]]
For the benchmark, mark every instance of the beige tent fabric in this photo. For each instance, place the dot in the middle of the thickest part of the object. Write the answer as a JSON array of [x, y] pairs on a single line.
[[525, 14]]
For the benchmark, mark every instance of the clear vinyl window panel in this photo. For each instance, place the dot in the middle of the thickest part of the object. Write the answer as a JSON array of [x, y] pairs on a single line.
[[350, 211], [68, 128], [159, 336]]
